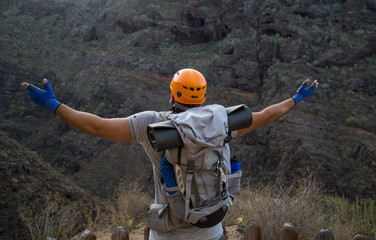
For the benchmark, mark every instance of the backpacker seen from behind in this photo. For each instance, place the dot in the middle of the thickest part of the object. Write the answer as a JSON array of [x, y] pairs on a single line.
[[202, 168]]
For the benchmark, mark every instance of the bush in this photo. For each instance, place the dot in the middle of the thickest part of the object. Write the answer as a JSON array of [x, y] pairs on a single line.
[[304, 205], [349, 218], [273, 205], [359, 32], [49, 218], [352, 121], [131, 204]]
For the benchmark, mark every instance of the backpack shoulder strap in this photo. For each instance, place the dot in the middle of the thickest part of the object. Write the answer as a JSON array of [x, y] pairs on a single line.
[[165, 115]]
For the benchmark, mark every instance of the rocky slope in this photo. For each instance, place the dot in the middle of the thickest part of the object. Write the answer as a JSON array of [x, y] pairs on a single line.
[[25, 181], [115, 58]]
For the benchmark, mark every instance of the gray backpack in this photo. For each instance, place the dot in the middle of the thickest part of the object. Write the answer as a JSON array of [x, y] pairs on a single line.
[[202, 166]]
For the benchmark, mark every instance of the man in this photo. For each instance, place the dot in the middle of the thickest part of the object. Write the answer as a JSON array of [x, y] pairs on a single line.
[[188, 89]]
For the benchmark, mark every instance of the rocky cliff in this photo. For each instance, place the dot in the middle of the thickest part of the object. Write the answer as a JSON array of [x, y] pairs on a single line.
[[115, 58]]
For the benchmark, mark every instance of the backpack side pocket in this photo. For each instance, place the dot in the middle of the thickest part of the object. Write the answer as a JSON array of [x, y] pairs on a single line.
[[157, 218], [177, 204], [234, 182]]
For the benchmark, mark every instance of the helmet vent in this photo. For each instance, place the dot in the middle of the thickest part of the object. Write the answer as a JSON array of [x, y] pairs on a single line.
[[185, 87], [198, 89], [179, 94], [192, 89], [194, 96]]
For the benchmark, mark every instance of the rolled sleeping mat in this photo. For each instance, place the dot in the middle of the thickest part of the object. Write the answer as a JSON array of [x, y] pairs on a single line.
[[239, 117], [163, 135]]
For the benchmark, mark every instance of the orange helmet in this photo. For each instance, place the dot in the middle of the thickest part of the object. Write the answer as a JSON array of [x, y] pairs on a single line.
[[188, 86]]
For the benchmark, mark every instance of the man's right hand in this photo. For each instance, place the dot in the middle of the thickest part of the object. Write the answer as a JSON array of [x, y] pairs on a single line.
[[45, 98]]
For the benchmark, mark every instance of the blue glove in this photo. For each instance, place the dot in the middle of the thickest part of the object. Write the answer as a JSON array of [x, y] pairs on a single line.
[[304, 92], [167, 171], [45, 98]]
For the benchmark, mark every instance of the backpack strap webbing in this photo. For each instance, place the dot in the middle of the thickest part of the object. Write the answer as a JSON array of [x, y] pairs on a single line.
[[179, 178], [228, 138], [165, 115], [179, 156], [196, 200], [218, 185], [188, 184], [166, 204], [221, 178]]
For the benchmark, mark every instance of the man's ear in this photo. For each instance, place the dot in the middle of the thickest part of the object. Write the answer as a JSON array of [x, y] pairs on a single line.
[[172, 99]]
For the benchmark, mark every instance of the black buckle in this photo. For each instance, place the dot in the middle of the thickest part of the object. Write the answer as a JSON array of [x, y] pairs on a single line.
[[191, 166], [163, 211], [228, 138]]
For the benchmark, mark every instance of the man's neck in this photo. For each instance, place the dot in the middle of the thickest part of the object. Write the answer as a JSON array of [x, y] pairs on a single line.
[[179, 107]]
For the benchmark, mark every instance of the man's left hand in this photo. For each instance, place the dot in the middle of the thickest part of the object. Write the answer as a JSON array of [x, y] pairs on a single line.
[[304, 91]]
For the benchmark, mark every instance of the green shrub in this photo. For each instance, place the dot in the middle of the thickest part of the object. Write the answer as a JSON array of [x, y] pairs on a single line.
[[337, 7], [359, 32], [348, 218], [206, 9], [352, 121]]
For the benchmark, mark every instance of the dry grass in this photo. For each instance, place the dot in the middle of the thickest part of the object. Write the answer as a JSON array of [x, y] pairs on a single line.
[[273, 205], [49, 218], [304, 205], [131, 205]]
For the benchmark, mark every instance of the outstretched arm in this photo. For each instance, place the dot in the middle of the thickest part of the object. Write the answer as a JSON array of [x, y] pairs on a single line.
[[116, 129], [275, 111]]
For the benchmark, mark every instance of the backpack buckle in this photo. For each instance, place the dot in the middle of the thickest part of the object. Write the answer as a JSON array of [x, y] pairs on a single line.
[[191, 166], [163, 210], [228, 138], [224, 195]]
